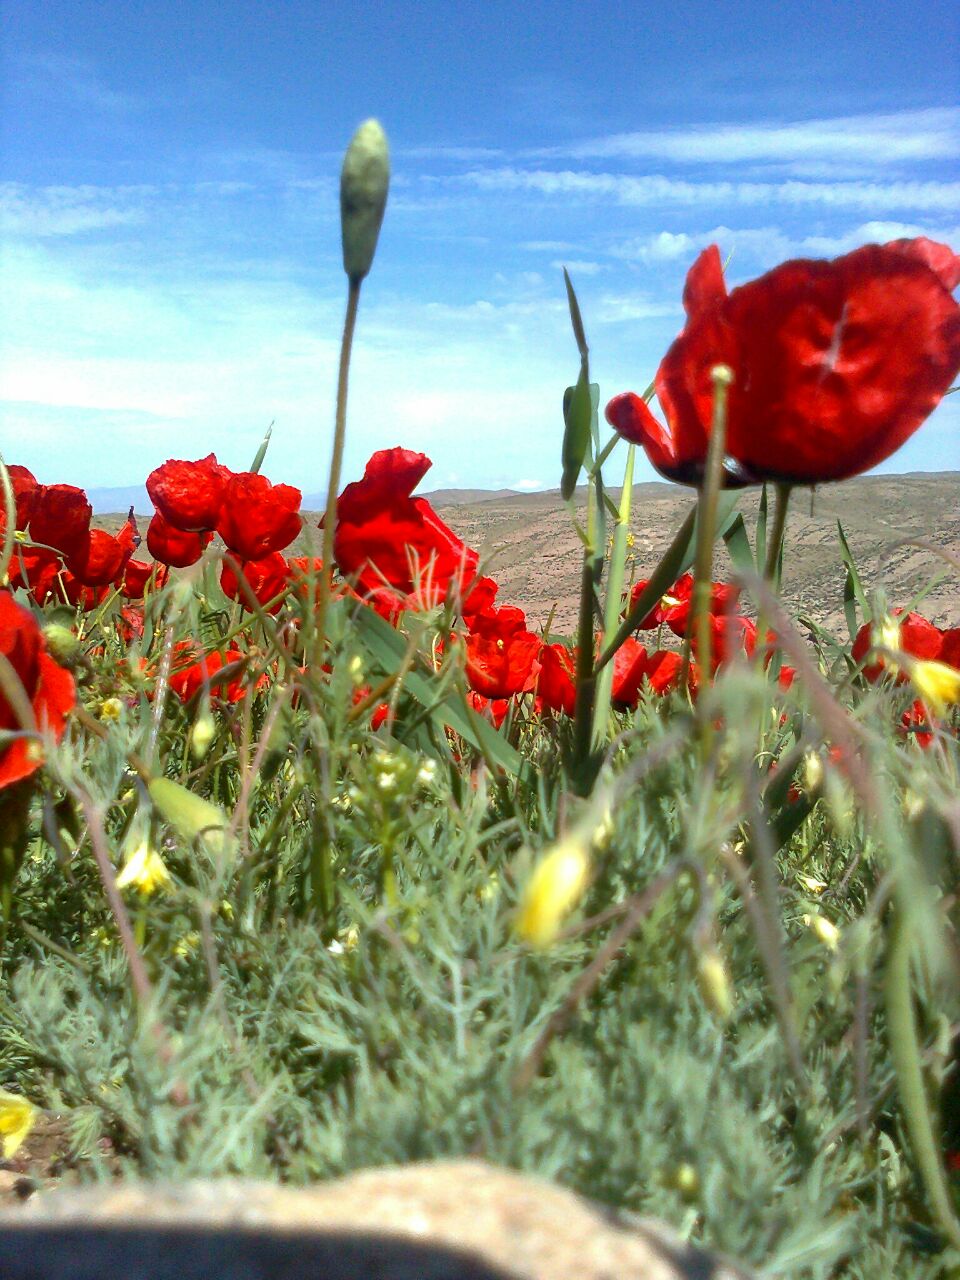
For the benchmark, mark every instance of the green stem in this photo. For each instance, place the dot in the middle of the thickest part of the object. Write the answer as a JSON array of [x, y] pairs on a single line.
[[775, 543], [722, 378], [336, 465], [905, 1051], [584, 672]]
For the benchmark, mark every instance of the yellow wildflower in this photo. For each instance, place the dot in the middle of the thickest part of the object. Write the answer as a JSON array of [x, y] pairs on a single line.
[[811, 883], [111, 709], [17, 1116], [145, 870], [556, 886]]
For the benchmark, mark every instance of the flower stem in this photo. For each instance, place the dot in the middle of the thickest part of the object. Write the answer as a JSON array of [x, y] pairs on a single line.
[[722, 378], [905, 1051], [336, 465], [775, 543], [586, 683]]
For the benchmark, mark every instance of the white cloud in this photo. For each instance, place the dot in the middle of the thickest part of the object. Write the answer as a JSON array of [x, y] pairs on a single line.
[[65, 211], [655, 189], [580, 268], [527, 486], [932, 134]]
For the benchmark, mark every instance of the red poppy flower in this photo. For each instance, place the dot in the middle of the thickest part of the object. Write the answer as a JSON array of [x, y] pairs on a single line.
[[60, 518], [267, 579], [24, 485], [189, 495], [556, 683], [731, 635], [79, 594], [673, 607], [258, 517], [49, 689], [950, 647], [835, 365], [37, 571], [918, 724], [137, 574], [480, 597], [911, 633], [101, 559], [385, 538], [174, 547], [192, 669], [629, 668], [501, 653], [492, 709], [663, 671]]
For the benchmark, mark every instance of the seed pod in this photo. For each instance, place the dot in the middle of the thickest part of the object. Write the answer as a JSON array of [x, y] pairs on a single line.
[[364, 182]]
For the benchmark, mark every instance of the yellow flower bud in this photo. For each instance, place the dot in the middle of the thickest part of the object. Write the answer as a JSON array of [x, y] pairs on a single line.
[[812, 772], [714, 982], [364, 182], [111, 709], [17, 1117], [825, 930], [202, 734], [937, 683], [556, 886]]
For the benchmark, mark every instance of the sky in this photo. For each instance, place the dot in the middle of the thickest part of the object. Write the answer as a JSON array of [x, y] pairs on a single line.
[[169, 221]]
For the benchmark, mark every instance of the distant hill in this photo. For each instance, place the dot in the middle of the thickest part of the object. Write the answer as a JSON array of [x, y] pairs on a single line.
[[531, 549]]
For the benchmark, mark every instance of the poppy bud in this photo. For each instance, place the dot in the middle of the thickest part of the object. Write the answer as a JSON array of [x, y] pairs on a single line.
[[190, 816], [364, 181], [63, 644]]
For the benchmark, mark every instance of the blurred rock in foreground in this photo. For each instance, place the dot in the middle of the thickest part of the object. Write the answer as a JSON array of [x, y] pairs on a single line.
[[440, 1221]]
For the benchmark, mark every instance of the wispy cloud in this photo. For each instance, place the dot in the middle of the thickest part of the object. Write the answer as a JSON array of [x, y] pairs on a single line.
[[906, 136], [656, 189], [65, 211], [63, 76]]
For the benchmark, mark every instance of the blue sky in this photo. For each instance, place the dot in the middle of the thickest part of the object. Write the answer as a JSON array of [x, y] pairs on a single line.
[[170, 260]]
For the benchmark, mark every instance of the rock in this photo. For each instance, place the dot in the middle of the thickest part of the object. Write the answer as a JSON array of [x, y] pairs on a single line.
[[458, 1220]]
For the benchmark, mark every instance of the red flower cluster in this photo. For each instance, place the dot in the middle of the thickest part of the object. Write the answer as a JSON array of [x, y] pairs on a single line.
[[835, 364], [255, 519], [60, 556], [48, 687], [910, 633]]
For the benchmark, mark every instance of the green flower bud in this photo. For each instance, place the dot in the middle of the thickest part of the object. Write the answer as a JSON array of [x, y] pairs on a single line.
[[190, 816], [62, 643], [364, 181]]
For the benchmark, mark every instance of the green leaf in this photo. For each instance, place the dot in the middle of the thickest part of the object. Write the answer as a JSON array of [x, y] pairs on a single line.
[[677, 558], [575, 318], [577, 413], [262, 451], [738, 544], [389, 648], [853, 592]]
